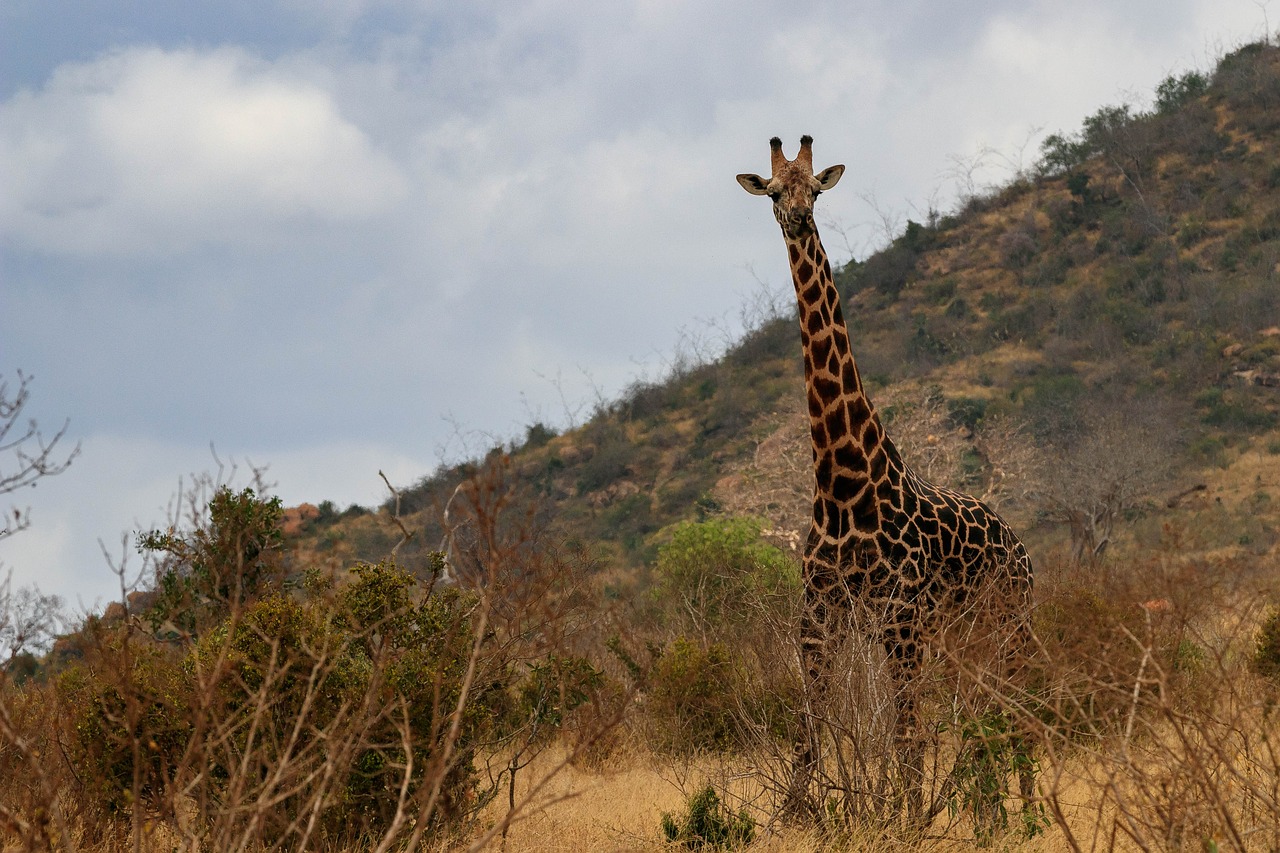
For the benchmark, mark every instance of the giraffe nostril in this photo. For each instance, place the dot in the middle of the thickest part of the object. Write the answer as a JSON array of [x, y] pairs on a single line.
[[798, 222]]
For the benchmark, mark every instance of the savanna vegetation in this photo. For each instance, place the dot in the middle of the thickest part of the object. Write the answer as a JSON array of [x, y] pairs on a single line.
[[587, 639]]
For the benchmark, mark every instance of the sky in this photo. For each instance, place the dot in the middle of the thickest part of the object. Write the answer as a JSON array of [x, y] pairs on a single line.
[[338, 237]]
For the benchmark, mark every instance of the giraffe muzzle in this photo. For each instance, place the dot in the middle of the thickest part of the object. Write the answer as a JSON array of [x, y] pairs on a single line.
[[797, 223]]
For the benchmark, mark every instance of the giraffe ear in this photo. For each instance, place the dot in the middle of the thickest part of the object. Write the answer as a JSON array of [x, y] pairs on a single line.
[[754, 184], [828, 178]]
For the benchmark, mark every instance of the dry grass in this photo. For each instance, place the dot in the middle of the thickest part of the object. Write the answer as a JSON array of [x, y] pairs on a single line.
[[619, 808]]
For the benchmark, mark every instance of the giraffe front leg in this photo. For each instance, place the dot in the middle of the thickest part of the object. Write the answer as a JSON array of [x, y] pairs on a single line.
[[801, 800], [905, 660], [910, 749]]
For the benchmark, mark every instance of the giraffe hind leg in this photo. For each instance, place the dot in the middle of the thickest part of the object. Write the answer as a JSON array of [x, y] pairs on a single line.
[[911, 762], [910, 747]]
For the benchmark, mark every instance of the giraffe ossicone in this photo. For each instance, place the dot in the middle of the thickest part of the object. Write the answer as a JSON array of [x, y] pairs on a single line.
[[881, 535]]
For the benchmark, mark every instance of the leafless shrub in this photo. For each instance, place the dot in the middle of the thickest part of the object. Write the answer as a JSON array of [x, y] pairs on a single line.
[[1090, 481], [777, 484], [1017, 246], [32, 814], [1148, 725], [29, 620], [856, 777]]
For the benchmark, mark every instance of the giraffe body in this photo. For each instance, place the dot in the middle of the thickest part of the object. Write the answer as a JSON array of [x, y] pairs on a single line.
[[881, 537]]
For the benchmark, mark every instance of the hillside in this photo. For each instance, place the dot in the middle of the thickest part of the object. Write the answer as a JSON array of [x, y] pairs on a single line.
[[1133, 272]]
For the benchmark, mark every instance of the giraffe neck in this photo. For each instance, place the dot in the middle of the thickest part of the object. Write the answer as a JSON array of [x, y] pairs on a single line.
[[851, 453]]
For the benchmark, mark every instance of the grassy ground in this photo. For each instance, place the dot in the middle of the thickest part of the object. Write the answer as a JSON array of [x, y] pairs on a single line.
[[620, 808]]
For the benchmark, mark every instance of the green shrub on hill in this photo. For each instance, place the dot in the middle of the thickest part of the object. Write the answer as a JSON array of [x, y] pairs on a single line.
[[709, 573]]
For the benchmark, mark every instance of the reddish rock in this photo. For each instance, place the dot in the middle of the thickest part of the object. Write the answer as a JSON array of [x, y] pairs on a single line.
[[296, 517]]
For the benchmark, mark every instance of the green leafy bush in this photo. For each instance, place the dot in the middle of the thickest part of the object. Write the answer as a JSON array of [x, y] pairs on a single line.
[[967, 412], [708, 822], [693, 696], [711, 572], [219, 566], [989, 756], [892, 268], [612, 457], [554, 688], [1266, 651], [940, 292], [1176, 90], [1233, 411], [127, 709], [366, 667], [356, 689], [925, 344], [1051, 404], [1062, 153], [417, 653]]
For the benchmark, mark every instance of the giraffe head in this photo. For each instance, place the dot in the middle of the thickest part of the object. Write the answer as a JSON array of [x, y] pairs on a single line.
[[793, 186]]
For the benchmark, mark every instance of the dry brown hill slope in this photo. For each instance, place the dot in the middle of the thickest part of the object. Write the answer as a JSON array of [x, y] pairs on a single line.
[[1110, 319]]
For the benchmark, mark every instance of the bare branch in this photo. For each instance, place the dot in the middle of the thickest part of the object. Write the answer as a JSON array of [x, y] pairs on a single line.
[[405, 533], [26, 454]]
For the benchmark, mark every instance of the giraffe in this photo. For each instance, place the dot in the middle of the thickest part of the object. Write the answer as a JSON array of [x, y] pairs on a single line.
[[880, 535]]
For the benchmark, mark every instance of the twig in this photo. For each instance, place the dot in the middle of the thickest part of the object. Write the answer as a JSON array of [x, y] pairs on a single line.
[[405, 534]]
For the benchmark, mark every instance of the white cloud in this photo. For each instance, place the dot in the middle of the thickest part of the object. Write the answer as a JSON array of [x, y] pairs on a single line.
[[151, 151]]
